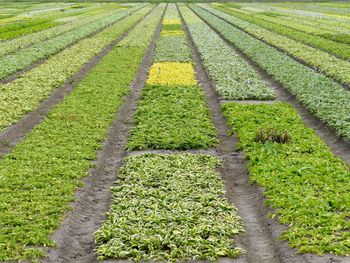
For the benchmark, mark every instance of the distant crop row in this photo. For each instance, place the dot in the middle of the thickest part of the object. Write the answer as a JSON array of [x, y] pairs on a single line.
[[331, 29], [53, 153], [25, 93], [339, 49], [304, 182], [320, 95], [336, 68], [27, 56], [232, 76], [30, 39]]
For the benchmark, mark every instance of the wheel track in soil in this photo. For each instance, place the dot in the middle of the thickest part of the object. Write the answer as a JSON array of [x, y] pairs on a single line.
[[241, 192], [18, 73], [74, 237], [15, 133]]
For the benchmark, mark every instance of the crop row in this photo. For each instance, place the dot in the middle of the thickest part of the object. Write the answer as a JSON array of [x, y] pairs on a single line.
[[27, 56], [323, 61], [339, 49], [27, 40], [26, 27], [332, 31], [40, 175], [303, 181], [169, 208], [232, 76], [24, 94], [321, 96], [172, 113]]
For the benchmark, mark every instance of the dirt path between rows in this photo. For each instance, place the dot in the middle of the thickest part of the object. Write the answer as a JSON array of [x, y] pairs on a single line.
[[74, 238], [15, 133], [261, 240], [20, 72]]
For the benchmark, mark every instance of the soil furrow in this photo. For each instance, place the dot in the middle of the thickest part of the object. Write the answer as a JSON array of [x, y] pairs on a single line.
[[74, 238], [248, 198], [257, 242], [15, 133], [339, 145], [18, 73], [345, 86]]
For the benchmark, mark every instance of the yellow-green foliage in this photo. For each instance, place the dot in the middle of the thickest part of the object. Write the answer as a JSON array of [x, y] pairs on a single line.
[[171, 73]]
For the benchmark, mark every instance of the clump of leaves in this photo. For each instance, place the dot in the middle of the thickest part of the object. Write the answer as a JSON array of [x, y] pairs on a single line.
[[272, 134]]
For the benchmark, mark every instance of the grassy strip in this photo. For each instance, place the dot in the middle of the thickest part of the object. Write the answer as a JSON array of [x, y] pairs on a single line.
[[172, 113], [24, 94], [40, 25], [24, 41], [321, 96], [232, 76], [172, 48], [300, 23], [326, 63], [39, 177], [172, 117], [339, 49], [306, 184], [169, 208], [27, 56]]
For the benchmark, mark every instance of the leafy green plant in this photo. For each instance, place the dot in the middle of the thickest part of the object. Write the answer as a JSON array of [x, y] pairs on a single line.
[[307, 185], [272, 134], [169, 208]]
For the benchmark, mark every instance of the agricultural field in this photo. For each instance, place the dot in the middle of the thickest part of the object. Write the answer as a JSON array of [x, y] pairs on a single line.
[[175, 132]]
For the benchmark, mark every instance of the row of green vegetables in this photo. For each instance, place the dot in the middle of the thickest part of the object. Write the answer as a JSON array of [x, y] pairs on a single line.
[[306, 185], [333, 67], [43, 35], [25, 93], [58, 152], [332, 29], [170, 207], [25, 27], [172, 113], [321, 96], [340, 50], [25, 57], [232, 76]]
